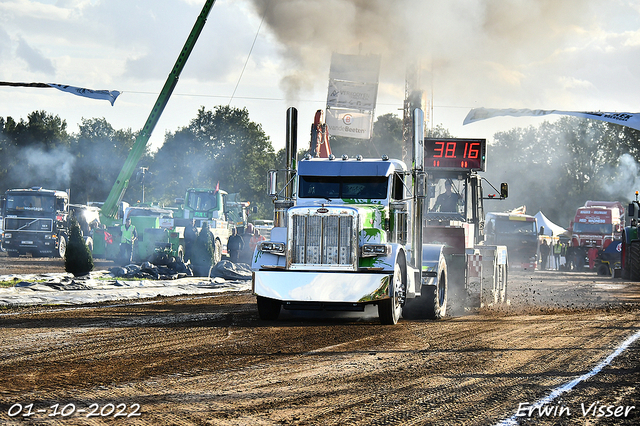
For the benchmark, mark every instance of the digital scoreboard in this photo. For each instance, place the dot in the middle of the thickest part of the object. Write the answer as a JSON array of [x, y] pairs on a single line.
[[455, 154]]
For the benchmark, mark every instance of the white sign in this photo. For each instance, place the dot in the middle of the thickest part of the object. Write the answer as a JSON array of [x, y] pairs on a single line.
[[349, 123], [349, 94]]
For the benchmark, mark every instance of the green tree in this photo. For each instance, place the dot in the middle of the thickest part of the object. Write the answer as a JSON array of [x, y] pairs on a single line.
[[37, 152], [221, 146], [559, 165], [77, 259]]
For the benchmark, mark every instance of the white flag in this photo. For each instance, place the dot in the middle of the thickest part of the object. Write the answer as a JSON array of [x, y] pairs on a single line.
[[629, 119], [88, 93]]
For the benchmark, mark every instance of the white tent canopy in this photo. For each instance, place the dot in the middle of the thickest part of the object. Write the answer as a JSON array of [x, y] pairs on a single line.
[[550, 228]]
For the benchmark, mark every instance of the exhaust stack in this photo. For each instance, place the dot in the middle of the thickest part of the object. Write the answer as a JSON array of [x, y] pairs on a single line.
[[291, 149]]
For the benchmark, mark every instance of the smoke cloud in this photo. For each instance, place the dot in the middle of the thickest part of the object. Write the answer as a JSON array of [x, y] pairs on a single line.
[[51, 168], [456, 43]]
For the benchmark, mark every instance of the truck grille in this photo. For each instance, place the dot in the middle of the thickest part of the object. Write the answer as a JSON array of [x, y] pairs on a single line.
[[28, 224], [323, 240]]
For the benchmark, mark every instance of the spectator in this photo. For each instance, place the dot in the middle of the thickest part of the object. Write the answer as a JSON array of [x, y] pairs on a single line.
[[235, 245], [255, 240], [127, 239], [544, 254], [190, 237], [557, 250]]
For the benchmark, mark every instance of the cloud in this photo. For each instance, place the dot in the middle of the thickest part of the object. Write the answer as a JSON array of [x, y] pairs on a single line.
[[36, 61]]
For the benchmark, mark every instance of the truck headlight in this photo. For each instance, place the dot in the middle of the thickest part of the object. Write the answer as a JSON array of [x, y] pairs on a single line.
[[47, 237], [7, 235], [272, 247], [371, 250]]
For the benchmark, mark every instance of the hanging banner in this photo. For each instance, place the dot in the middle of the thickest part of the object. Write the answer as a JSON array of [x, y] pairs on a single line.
[[350, 94], [108, 95], [628, 119], [349, 123]]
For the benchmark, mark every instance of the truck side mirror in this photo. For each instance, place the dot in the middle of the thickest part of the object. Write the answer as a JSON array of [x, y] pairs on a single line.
[[272, 183], [541, 230], [504, 190]]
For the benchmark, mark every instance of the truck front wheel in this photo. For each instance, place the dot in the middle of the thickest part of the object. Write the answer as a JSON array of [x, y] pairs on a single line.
[[389, 310], [268, 309]]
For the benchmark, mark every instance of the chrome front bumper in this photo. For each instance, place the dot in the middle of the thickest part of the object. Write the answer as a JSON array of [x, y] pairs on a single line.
[[298, 286]]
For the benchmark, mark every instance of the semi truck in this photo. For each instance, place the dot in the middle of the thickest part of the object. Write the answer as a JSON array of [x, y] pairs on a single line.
[[594, 226], [348, 233], [35, 221], [519, 232]]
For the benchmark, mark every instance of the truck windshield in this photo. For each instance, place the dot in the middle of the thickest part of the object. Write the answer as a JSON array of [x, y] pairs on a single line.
[[361, 187], [202, 201], [515, 227], [593, 228], [35, 203]]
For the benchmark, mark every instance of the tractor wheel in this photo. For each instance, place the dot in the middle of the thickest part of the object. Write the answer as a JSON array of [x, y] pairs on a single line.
[[634, 260], [389, 310], [268, 309]]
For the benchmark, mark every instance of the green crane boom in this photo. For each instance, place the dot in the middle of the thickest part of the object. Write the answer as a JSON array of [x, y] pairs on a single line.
[[110, 208]]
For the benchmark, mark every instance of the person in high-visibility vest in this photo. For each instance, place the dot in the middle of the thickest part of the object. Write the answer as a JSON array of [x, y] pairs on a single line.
[[557, 250], [129, 235]]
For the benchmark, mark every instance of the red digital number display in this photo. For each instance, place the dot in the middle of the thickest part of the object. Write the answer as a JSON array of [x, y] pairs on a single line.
[[455, 154]]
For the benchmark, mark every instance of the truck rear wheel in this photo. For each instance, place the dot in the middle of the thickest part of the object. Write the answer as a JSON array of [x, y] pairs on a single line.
[[634, 260], [389, 310], [268, 309], [62, 246]]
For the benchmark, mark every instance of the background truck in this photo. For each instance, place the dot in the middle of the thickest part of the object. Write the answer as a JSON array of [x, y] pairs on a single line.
[[595, 225], [519, 232], [348, 233], [35, 221]]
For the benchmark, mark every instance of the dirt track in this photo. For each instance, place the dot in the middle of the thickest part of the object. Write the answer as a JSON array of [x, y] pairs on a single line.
[[210, 360]]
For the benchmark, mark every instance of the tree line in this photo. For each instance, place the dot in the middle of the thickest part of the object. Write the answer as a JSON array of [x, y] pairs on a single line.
[[554, 167]]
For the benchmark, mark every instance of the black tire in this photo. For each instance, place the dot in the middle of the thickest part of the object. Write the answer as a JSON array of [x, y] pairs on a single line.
[[389, 310], [217, 252], [603, 270], [435, 298], [634, 260], [62, 246], [268, 309]]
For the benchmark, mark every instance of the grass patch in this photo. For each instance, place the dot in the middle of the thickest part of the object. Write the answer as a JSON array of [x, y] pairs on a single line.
[[13, 282]]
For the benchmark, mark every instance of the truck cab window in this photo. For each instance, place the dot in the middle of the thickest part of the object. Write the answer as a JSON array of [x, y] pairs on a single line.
[[358, 187]]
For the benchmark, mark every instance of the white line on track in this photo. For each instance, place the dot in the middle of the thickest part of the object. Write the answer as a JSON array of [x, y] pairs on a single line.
[[513, 420]]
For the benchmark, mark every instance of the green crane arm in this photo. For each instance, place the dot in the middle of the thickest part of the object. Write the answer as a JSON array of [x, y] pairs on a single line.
[[110, 208]]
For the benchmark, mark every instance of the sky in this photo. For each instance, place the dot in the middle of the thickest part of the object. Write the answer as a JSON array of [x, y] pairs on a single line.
[[268, 55]]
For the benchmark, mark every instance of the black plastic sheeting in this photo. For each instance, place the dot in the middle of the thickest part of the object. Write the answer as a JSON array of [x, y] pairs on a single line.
[[174, 270]]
